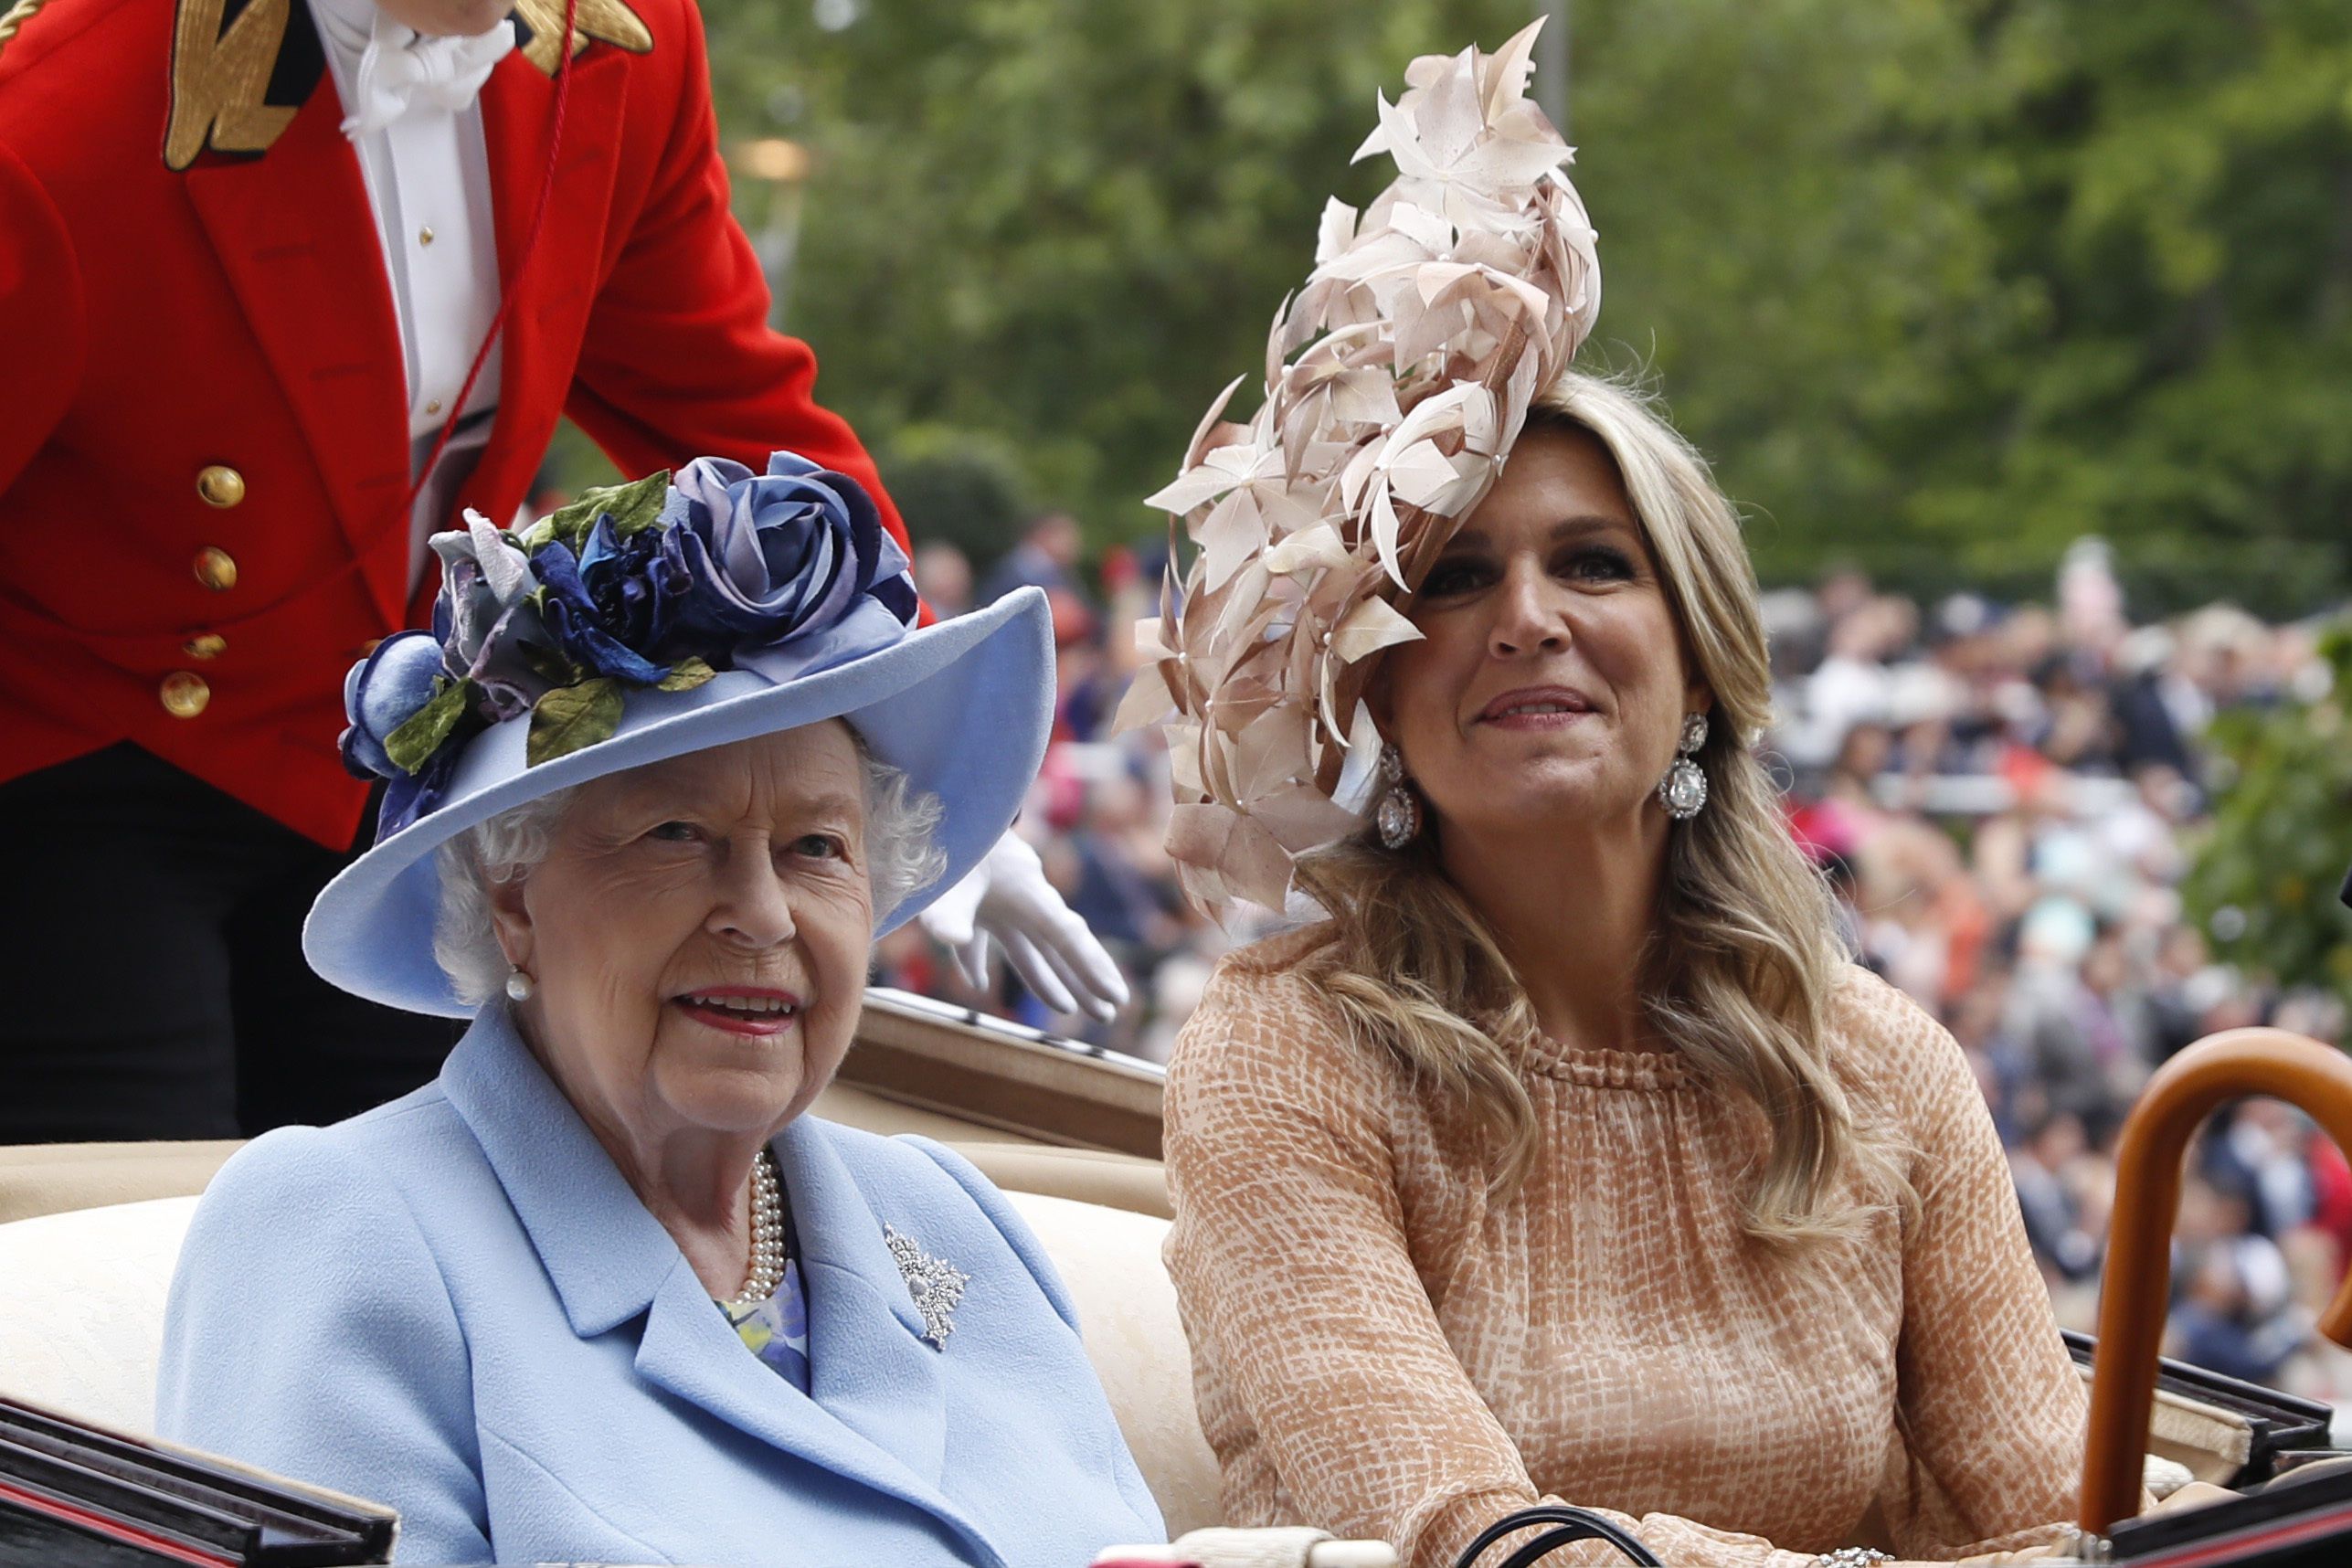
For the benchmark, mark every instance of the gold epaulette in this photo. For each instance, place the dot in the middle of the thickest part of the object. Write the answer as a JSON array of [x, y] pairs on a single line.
[[609, 20], [16, 17], [219, 74]]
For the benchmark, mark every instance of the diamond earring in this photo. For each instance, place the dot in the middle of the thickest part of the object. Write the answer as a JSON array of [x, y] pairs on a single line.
[[1399, 818], [520, 986], [1683, 790]]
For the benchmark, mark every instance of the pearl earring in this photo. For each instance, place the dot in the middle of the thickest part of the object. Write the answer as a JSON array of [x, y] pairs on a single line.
[[1683, 790], [520, 986], [1399, 818]]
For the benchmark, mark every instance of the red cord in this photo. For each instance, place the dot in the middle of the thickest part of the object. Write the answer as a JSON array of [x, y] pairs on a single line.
[[147, 1538], [514, 284]]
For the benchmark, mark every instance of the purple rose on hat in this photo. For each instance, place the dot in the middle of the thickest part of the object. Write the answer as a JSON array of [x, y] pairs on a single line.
[[487, 614], [778, 555], [612, 606]]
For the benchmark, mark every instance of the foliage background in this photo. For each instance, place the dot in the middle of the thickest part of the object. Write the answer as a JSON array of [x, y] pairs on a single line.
[[2265, 877], [1941, 284]]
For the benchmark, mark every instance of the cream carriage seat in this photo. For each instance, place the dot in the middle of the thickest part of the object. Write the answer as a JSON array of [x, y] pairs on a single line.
[[82, 1291]]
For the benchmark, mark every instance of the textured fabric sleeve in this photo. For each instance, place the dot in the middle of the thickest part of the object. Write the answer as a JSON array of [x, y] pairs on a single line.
[[679, 361], [1990, 1407], [1314, 1341], [42, 333], [309, 1332]]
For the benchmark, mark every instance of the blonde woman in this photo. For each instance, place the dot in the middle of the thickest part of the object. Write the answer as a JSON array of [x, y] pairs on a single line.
[[1566, 1159]]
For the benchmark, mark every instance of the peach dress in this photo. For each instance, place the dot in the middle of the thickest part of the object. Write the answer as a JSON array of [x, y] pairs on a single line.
[[1381, 1349]]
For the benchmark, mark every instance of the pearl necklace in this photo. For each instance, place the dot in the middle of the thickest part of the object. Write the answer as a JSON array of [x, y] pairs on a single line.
[[767, 1238]]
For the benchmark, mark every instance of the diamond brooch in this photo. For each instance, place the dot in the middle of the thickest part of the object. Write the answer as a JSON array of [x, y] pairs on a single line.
[[936, 1285]]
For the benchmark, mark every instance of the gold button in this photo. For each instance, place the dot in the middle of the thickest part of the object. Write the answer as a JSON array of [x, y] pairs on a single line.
[[220, 485], [184, 695], [425, 236], [206, 645], [216, 569], [433, 406]]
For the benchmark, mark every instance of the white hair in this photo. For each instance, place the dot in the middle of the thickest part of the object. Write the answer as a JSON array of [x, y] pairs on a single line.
[[901, 861]]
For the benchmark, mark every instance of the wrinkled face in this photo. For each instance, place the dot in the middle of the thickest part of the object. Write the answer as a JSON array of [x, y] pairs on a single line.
[[448, 18], [699, 935], [1548, 685]]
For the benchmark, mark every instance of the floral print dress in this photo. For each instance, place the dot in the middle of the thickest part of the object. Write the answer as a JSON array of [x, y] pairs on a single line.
[[777, 1329]]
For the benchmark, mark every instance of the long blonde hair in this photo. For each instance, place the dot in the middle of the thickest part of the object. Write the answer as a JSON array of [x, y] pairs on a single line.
[[1742, 957]]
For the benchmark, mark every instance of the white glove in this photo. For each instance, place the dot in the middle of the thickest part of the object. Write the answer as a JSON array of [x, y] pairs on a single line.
[[1007, 898], [1287, 1547]]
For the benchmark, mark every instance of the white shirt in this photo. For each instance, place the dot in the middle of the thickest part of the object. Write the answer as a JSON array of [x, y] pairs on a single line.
[[427, 178]]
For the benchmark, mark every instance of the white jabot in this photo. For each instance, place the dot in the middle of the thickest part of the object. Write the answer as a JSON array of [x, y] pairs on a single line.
[[400, 69], [427, 169]]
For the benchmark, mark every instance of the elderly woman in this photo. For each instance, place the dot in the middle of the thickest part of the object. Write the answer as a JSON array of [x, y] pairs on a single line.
[[604, 1290], [1564, 1159]]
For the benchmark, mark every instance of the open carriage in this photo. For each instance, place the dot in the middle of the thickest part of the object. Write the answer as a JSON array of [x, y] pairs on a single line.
[[89, 1234]]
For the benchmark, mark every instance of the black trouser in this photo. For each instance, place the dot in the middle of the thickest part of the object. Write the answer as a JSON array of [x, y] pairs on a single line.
[[151, 984]]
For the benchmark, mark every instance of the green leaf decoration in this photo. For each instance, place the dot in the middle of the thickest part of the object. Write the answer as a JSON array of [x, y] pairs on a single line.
[[532, 537], [636, 507], [685, 675], [570, 718], [549, 665], [421, 733], [633, 508]]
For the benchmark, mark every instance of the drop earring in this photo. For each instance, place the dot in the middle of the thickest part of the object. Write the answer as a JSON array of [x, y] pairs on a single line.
[[1399, 818], [520, 987], [1683, 790]]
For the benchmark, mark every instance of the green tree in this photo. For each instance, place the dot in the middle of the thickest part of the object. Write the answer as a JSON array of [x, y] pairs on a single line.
[[1058, 225], [2265, 877], [1940, 284], [2168, 192]]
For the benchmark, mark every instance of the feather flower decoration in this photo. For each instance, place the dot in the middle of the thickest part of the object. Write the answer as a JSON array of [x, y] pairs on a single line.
[[1395, 383]]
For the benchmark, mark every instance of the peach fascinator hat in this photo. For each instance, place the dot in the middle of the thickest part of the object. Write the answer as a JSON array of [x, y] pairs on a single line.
[[1396, 381]]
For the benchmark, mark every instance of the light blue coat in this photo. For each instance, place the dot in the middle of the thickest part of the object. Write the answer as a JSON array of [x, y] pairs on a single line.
[[455, 1305]]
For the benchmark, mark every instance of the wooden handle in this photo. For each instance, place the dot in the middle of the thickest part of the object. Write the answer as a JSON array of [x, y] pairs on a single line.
[[2235, 1064]]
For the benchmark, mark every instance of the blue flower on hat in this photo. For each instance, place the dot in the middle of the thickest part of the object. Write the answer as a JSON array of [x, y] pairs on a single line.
[[778, 555], [381, 694], [617, 596], [632, 586]]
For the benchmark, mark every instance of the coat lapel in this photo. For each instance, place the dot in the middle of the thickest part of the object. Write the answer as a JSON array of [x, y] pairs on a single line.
[[689, 1351], [876, 1411], [869, 1364], [555, 289], [604, 1252], [295, 235], [878, 1415]]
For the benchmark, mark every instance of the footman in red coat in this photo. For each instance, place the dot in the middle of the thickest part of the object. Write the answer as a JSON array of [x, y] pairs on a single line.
[[248, 251]]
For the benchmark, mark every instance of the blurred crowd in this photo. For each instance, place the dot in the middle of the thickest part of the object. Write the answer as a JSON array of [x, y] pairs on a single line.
[[2001, 796], [2004, 798]]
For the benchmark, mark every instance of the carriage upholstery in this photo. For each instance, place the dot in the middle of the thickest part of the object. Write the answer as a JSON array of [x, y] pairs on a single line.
[[89, 1233]]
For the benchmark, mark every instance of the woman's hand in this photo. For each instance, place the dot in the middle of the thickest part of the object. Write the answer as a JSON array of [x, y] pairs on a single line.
[[2195, 1494]]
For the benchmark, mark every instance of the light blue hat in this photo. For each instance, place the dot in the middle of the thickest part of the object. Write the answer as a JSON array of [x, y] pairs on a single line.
[[650, 621]]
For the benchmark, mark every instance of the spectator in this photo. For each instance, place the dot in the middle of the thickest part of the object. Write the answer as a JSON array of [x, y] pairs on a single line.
[[2067, 1249], [1047, 557], [943, 576]]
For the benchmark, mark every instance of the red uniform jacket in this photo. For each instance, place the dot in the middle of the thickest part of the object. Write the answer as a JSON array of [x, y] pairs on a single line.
[[204, 448]]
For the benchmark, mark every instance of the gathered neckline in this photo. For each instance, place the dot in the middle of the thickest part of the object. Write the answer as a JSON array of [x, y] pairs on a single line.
[[1601, 1066]]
